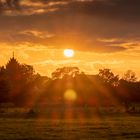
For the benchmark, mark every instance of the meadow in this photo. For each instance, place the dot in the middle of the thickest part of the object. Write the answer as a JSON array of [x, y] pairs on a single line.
[[106, 127]]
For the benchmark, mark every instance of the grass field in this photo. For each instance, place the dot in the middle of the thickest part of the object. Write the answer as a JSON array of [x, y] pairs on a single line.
[[122, 127]]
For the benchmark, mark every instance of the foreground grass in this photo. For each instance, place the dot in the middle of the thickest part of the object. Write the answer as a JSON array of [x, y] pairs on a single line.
[[106, 127]]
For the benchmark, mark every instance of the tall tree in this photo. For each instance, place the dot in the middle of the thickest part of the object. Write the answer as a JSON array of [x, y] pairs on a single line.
[[65, 71], [108, 77], [130, 76]]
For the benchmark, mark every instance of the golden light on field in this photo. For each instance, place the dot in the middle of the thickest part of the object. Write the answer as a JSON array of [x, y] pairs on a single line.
[[70, 95], [69, 53]]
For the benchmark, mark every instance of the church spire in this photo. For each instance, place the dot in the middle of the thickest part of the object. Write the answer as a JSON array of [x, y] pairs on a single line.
[[12, 63], [13, 54]]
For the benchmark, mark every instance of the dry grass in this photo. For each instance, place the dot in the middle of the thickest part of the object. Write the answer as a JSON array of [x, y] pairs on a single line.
[[98, 128]]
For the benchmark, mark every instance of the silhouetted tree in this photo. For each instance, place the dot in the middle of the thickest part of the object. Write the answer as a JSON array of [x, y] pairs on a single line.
[[65, 71], [4, 85], [4, 91], [130, 76], [20, 80], [21, 85], [108, 77], [2, 73]]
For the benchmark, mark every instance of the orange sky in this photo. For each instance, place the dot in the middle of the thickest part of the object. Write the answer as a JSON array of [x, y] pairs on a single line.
[[45, 61], [104, 34]]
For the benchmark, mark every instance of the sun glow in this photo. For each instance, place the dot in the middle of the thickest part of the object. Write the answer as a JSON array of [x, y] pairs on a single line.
[[69, 53]]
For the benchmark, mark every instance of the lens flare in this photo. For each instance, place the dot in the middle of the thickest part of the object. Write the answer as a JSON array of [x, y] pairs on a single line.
[[70, 95]]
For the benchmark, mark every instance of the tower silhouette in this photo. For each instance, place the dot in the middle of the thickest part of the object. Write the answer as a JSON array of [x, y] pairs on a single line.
[[13, 66]]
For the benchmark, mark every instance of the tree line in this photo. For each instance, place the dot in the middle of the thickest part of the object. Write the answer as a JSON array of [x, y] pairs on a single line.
[[21, 86]]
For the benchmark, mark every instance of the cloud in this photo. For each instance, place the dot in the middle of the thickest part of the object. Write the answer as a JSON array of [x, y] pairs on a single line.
[[29, 7], [37, 34], [13, 3], [111, 9], [87, 25], [62, 41], [6, 5], [103, 33], [45, 60]]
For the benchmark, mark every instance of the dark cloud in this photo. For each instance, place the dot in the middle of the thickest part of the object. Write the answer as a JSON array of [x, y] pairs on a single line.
[[112, 9], [120, 9], [76, 23], [12, 4]]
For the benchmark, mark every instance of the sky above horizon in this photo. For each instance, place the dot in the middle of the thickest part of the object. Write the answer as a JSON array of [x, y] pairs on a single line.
[[103, 34]]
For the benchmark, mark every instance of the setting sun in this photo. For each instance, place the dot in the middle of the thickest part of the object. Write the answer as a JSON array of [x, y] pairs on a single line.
[[69, 53]]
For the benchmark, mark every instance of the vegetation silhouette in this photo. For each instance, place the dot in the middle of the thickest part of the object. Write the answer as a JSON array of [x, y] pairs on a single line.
[[22, 87]]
